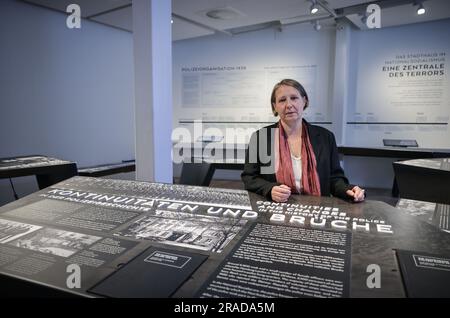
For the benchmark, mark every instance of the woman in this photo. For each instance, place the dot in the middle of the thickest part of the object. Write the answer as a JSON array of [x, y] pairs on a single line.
[[292, 156]]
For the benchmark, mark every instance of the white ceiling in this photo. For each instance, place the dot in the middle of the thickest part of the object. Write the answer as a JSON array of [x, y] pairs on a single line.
[[190, 19]]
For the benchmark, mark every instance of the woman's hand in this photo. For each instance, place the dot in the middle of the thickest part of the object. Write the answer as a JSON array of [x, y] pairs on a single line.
[[281, 193], [357, 194]]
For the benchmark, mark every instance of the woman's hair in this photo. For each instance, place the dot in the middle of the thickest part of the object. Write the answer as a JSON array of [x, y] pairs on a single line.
[[292, 83]]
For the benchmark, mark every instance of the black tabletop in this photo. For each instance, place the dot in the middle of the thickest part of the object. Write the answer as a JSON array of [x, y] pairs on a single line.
[[29, 165], [104, 226], [107, 169], [394, 152], [435, 163]]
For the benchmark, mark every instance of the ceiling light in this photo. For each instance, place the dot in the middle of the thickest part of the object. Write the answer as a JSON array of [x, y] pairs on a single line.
[[421, 10], [314, 8], [227, 13]]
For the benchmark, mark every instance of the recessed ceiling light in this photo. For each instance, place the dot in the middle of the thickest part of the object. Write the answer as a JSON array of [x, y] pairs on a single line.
[[224, 14]]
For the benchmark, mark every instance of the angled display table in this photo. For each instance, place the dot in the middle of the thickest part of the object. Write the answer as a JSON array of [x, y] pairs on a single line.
[[107, 169], [424, 179], [394, 152], [48, 170], [201, 173], [202, 158], [94, 237]]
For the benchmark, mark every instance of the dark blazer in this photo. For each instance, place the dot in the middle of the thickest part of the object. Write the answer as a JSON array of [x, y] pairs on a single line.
[[259, 171]]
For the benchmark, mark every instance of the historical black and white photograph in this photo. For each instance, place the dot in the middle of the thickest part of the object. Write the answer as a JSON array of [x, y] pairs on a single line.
[[416, 207], [57, 242], [202, 232], [11, 230], [433, 213]]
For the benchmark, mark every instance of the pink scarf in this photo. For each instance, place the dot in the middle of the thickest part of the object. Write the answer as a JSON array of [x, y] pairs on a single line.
[[285, 173]]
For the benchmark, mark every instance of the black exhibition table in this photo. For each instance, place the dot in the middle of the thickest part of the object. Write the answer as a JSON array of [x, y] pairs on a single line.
[[98, 224], [200, 169], [424, 179], [48, 170], [107, 169], [394, 152]]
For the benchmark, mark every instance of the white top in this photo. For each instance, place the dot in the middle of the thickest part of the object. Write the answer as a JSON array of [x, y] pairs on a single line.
[[297, 166]]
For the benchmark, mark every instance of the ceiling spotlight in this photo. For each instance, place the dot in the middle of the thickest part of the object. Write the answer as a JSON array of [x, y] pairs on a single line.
[[314, 8], [317, 25], [420, 9]]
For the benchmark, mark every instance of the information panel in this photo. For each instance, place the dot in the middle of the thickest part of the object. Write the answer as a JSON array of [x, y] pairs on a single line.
[[401, 92], [238, 96], [283, 261], [163, 268], [425, 274]]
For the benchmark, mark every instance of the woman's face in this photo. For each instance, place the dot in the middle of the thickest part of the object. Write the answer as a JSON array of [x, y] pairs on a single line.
[[289, 104]]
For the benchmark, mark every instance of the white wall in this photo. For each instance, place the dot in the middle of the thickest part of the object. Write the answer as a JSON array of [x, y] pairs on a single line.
[[65, 93]]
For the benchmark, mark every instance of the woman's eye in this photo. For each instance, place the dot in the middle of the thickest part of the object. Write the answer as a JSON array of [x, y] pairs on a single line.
[[282, 100]]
